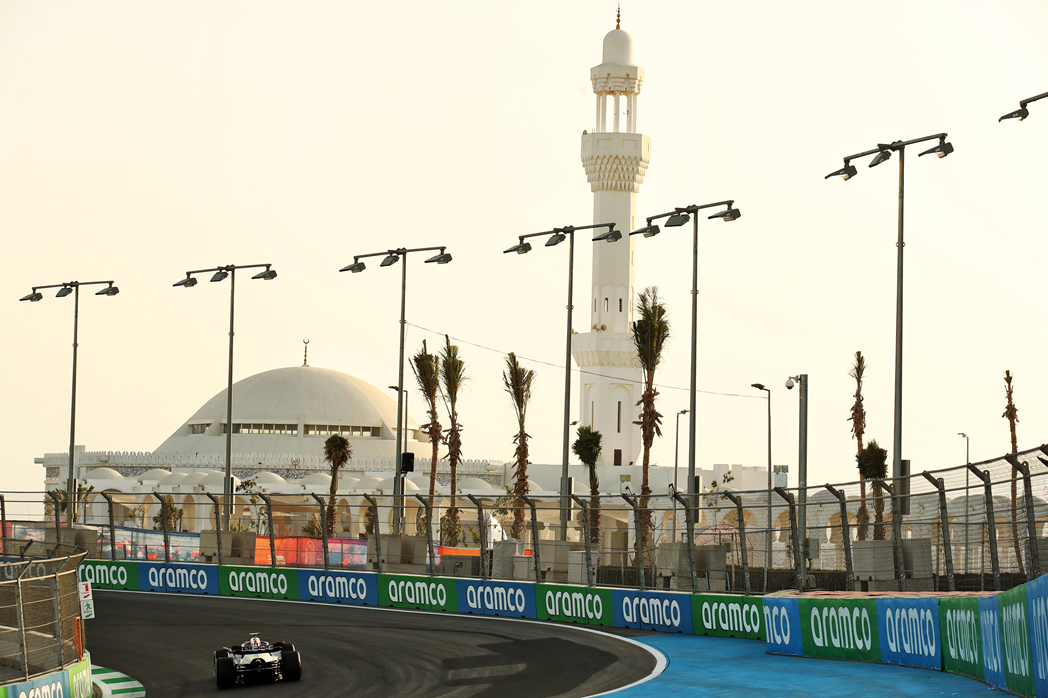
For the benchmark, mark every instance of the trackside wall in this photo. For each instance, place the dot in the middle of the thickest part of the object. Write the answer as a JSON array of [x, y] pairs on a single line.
[[1001, 639]]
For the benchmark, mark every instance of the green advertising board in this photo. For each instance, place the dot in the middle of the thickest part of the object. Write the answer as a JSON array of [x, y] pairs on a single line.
[[724, 615], [425, 593], [572, 604], [110, 574], [1015, 640], [258, 582], [80, 679], [961, 636], [840, 629]]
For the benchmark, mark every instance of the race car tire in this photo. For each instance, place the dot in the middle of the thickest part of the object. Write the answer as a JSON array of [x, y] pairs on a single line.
[[225, 672], [221, 653], [289, 647], [291, 665]]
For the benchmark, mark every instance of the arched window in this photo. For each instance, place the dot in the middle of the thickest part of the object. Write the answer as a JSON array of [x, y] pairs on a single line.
[[620, 305], [605, 305]]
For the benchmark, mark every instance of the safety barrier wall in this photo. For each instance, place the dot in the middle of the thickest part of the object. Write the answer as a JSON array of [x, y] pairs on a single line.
[[74, 681], [1001, 639]]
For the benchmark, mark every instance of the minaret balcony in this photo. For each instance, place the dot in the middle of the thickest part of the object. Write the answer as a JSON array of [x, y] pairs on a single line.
[[615, 161], [604, 349]]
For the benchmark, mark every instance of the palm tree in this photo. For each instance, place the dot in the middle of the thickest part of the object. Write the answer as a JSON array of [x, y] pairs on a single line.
[[650, 334], [337, 452], [1011, 413], [873, 465], [518, 382], [587, 448], [452, 378], [858, 428], [426, 368]]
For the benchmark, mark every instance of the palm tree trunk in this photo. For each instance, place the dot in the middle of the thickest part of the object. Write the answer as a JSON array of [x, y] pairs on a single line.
[[594, 510]]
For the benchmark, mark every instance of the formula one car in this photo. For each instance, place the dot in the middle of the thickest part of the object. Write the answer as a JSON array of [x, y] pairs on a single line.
[[257, 660]]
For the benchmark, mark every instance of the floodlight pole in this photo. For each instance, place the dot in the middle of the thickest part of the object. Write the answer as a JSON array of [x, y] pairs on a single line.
[[883, 151], [400, 254], [557, 237], [33, 297]]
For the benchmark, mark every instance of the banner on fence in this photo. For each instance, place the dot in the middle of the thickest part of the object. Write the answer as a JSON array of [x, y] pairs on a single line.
[[782, 625], [723, 615], [496, 598], [1037, 604], [840, 629], [425, 593], [909, 632], [359, 588], [990, 634], [1015, 640], [188, 579], [666, 612], [258, 582], [110, 574], [573, 604], [960, 630]]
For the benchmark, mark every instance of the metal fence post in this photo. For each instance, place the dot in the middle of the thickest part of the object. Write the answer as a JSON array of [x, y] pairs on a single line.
[[689, 524], [1033, 570], [112, 525], [482, 529], [58, 523], [269, 524], [991, 523], [534, 536], [163, 525], [845, 534], [431, 559], [900, 564], [944, 525], [21, 621], [637, 544], [3, 526], [377, 532], [798, 555], [742, 538], [56, 609], [323, 527], [586, 537], [218, 524]]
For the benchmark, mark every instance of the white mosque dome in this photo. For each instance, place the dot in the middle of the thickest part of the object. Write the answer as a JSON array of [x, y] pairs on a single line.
[[618, 47], [368, 483], [317, 479], [194, 478], [387, 485], [474, 483], [104, 474], [268, 478], [217, 480], [172, 479], [156, 474]]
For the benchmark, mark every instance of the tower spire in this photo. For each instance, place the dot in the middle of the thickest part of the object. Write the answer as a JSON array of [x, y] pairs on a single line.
[[618, 17], [305, 352]]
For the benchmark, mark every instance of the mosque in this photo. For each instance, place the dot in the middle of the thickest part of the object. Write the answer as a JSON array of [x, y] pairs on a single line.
[[281, 418]]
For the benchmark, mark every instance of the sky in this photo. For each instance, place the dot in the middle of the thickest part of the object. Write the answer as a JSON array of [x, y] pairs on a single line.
[[139, 140]]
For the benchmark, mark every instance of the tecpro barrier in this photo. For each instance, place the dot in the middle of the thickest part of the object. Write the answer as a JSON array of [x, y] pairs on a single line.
[[1001, 639]]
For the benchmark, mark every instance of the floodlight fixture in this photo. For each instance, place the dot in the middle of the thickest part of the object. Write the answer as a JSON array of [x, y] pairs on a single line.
[[728, 215], [188, 282], [356, 267], [942, 150], [677, 220], [390, 260], [610, 236], [64, 291], [110, 291], [556, 239], [267, 275], [521, 248], [219, 275], [442, 258], [32, 297], [883, 156], [1019, 114], [845, 173], [647, 231]]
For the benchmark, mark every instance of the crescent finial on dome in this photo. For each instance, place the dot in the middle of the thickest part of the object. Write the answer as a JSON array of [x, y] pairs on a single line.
[[618, 16], [305, 351]]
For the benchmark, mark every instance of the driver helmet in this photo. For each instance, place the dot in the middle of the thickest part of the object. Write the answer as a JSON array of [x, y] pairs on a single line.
[[254, 642]]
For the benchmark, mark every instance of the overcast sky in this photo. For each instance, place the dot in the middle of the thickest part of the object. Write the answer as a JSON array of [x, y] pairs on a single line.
[[142, 139]]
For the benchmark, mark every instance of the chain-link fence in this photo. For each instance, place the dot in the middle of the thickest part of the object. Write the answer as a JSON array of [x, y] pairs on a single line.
[[964, 528], [40, 624]]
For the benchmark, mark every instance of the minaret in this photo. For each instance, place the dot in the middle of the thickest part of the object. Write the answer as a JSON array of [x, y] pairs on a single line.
[[615, 159]]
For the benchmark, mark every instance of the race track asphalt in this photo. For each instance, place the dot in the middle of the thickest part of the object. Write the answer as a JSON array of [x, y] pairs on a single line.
[[167, 643]]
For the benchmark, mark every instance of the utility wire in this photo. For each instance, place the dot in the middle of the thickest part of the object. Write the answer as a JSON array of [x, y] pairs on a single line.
[[580, 371]]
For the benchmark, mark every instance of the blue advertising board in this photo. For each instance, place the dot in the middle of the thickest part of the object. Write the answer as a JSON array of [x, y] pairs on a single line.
[[330, 586], [651, 610], [189, 579], [1037, 605], [496, 598], [993, 653], [782, 624], [909, 629]]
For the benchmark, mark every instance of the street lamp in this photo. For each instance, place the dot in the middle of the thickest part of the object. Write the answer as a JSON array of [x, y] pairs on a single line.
[[389, 258], [678, 217], [1022, 112], [802, 460], [767, 552], [406, 416], [64, 289], [557, 236], [882, 153], [676, 451], [221, 273], [967, 473]]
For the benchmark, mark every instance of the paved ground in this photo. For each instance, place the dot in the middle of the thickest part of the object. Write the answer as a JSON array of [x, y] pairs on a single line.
[[711, 667], [166, 642]]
